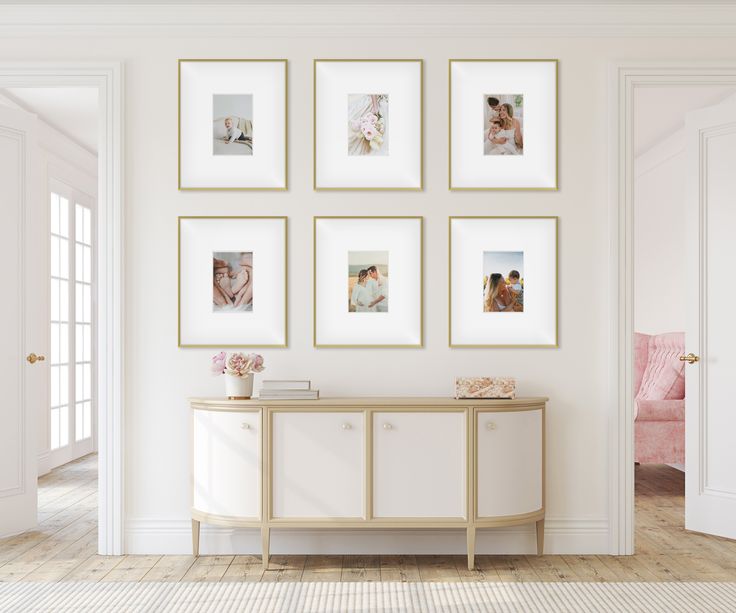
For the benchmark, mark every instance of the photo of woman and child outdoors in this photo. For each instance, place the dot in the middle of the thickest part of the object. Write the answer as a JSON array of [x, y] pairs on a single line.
[[368, 281], [502, 118], [232, 276], [503, 281]]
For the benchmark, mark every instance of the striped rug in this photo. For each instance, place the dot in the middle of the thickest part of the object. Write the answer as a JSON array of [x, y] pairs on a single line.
[[78, 597]]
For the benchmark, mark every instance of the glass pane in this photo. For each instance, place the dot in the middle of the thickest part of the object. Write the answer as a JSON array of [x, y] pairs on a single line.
[[63, 426], [79, 421], [78, 223], [87, 353], [63, 217], [87, 419], [79, 302], [54, 214], [87, 304], [64, 343], [63, 258], [54, 343], [54, 428], [54, 300], [54, 376], [63, 300], [87, 226], [79, 343], [78, 262], [87, 265], [63, 384], [54, 256], [87, 381], [79, 382]]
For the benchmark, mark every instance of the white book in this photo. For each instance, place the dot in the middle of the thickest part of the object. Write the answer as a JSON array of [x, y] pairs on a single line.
[[285, 384], [288, 394]]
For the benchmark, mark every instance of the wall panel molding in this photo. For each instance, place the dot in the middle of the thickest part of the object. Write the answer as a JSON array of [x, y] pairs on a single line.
[[420, 20]]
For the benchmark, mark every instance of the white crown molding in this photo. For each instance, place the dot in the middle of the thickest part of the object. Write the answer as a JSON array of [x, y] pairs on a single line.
[[174, 536], [364, 20]]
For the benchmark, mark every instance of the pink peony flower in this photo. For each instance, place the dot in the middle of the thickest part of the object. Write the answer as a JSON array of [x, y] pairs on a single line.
[[369, 131], [218, 363], [369, 118]]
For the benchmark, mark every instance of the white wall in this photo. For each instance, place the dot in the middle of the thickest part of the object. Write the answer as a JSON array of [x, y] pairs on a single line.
[[62, 159], [659, 237], [160, 377]]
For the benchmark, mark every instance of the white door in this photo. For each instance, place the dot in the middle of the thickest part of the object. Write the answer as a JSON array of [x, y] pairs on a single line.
[[419, 464], [23, 321], [318, 465], [509, 463], [710, 418], [226, 463]]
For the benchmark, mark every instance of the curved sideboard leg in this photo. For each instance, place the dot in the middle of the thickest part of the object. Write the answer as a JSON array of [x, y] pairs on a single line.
[[195, 538], [540, 537], [265, 538], [471, 547]]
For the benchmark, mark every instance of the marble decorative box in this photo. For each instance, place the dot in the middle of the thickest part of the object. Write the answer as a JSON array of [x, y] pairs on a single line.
[[485, 387]]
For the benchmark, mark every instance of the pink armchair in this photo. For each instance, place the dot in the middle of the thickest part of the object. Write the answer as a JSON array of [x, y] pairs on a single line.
[[659, 391]]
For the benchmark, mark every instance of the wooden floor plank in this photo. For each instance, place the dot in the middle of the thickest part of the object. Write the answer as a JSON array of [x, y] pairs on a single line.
[[64, 545]]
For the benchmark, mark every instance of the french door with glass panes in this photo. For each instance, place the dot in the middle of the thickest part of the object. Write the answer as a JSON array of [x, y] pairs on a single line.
[[72, 406]]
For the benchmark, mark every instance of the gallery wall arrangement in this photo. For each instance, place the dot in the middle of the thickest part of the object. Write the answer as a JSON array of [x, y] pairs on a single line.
[[367, 135]]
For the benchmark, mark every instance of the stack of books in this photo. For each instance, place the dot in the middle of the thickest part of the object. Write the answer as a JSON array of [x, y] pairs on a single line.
[[287, 390]]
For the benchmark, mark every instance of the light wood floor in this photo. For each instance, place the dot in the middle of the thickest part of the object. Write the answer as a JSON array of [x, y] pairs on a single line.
[[64, 545]]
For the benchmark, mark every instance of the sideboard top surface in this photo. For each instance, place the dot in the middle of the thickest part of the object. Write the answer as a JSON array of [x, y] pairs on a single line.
[[370, 402]]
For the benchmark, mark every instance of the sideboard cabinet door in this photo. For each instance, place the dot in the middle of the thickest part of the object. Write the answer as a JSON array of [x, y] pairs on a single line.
[[318, 464], [419, 464], [509, 454], [226, 463]]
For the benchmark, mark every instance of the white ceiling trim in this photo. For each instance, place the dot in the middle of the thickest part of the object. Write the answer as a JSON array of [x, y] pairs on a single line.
[[364, 20]]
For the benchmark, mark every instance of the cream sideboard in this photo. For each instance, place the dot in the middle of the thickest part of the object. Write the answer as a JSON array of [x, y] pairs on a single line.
[[368, 463]]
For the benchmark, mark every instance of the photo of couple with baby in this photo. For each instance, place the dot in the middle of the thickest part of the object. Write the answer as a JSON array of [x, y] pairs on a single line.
[[232, 276], [502, 131], [503, 292], [368, 281]]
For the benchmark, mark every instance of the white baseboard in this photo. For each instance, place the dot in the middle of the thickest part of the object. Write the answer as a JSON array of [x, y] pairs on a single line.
[[173, 536]]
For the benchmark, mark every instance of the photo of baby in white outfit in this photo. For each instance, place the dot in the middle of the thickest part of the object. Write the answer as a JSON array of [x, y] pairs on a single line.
[[232, 124]]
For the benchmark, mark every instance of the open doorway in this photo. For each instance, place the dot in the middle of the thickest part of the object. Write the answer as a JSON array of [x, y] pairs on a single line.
[[64, 231], [64, 354], [662, 294]]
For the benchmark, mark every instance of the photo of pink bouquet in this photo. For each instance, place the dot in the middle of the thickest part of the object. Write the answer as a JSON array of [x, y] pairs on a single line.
[[367, 124]]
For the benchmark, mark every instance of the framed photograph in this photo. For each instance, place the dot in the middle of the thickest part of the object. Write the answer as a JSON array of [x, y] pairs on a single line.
[[232, 281], [232, 124], [503, 281], [356, 259], [368, 124], [503, 124]]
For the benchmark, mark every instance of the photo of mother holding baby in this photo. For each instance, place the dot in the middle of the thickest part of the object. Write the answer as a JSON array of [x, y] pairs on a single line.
[[502, 131]]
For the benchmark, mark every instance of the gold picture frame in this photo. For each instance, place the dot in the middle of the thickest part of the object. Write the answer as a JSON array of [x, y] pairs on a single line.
[[286, 284], [556, 343], [418, 345], [420, 188], [452, 187], [285, 187]]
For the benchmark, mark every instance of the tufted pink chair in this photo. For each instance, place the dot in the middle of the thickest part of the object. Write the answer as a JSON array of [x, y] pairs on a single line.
[[659, 391]]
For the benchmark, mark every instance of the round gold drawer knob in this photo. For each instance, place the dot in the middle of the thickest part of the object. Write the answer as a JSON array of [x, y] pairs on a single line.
[[387, 426], [491, 425], [245, 425], [347, 427], [33, 358]]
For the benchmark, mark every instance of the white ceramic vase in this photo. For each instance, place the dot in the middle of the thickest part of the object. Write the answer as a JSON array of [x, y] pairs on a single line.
[[238, 388]]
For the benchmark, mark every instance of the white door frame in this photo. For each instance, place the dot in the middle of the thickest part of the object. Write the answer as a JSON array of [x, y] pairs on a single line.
[[625, 77], [107, 77]]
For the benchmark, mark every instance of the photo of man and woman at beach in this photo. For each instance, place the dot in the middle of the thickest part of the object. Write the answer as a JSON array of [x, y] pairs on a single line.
[[502, 129], [232, 277], [503, 281], [368, 281]]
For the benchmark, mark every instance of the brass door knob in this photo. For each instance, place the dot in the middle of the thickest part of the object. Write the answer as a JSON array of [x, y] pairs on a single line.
[[690, 358], [33, 358]]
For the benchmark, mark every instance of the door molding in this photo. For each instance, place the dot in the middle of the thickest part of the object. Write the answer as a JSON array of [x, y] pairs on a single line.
[[624, 78], [107, 77]]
